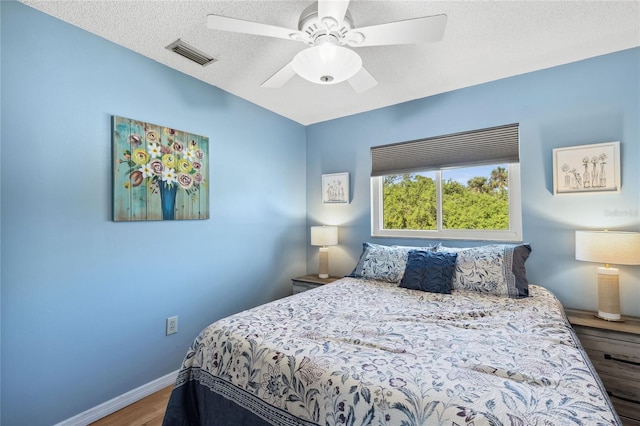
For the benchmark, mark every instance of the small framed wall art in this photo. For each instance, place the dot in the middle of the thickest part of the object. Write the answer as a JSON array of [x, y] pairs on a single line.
[[587, 168], [335, 188], [159, 173]]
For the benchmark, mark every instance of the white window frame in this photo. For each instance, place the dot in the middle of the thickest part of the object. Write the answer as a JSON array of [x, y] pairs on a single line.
[[513, 234]]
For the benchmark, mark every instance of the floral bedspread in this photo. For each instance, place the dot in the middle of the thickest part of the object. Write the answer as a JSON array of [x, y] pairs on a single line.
[[366, 352]]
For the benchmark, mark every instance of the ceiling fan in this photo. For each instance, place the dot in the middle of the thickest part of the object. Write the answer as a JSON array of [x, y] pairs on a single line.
[[326, 26]]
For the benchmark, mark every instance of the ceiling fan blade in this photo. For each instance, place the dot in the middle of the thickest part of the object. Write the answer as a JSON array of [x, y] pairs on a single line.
[[331, 12], [362, 81], [281, 76], [411, 31], [222, 23]]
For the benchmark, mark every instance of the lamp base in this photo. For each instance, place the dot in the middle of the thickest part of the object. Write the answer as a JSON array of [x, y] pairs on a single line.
[[324, 263], [608, 294], [608, 319]]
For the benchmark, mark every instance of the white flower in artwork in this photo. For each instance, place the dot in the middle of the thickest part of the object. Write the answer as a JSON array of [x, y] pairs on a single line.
[[147, 170], [190, 154], [169, 175], [154, 150]]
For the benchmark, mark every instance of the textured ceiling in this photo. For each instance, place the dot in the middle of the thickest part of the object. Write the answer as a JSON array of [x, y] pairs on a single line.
[[483, 41]]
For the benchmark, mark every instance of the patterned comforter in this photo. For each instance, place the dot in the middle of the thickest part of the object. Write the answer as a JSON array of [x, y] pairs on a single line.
[[365, 352]]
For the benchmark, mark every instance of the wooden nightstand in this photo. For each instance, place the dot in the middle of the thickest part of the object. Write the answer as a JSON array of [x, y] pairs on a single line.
[[614, 350], [308, 282]]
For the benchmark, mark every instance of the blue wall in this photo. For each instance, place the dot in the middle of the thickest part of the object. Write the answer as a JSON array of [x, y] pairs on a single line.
[[592, 101], [84, 299]]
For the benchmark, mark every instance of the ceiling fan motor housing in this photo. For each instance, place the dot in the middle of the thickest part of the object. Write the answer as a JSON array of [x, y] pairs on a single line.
[[310, 23]]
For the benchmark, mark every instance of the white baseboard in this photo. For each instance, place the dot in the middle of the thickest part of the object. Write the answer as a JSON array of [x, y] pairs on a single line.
[[98, 412]]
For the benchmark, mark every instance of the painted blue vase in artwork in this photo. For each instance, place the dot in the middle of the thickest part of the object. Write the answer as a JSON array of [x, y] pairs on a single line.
[[168, 200]]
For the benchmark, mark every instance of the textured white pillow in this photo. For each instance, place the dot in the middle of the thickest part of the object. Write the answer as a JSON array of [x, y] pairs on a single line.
[[494, 269]]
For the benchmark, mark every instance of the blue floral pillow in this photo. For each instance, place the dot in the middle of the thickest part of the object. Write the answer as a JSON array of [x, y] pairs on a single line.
[[493, 269], [429, 271], [386, 263]]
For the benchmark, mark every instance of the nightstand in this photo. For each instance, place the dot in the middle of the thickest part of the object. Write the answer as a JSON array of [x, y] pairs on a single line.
[[308, 282], [614, 350]]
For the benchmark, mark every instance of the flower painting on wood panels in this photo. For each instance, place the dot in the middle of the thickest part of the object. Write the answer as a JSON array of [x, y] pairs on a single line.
[[159, 173]]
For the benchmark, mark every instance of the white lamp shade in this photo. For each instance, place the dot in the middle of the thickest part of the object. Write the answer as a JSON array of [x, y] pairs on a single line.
[[324, 235], [616, 247], [326, 64]]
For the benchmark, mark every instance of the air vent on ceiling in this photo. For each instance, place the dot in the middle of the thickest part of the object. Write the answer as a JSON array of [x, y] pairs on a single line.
[[191, 53]]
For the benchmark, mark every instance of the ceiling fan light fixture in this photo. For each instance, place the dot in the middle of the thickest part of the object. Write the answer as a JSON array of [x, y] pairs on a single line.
[[327, 64]]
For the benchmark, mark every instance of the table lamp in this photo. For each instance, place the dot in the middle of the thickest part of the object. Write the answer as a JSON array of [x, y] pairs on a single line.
[[324, 236], [617, 247]]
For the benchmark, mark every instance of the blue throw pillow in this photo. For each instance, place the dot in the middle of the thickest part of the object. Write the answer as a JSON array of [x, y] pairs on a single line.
[[429, 271]]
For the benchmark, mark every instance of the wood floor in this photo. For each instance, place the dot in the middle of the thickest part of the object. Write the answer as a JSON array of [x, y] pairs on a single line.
[[148, 411]]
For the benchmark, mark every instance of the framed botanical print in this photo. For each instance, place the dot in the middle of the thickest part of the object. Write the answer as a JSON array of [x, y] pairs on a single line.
[[587, 168], [335, 188]]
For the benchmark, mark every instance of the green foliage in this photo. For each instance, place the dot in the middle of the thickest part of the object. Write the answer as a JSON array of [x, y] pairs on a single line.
[[410, 202]]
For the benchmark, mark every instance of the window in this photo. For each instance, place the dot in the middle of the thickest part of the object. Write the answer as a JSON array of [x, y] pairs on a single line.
[[466, 196]]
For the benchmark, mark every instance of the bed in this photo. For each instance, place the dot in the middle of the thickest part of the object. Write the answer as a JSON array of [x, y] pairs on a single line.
[[368, 351]]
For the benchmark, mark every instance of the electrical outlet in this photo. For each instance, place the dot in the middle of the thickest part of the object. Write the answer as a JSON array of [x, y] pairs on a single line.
[[172, 325]]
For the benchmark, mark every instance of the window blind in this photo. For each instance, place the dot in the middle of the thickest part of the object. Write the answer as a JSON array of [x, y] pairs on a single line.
[[485, 146]]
